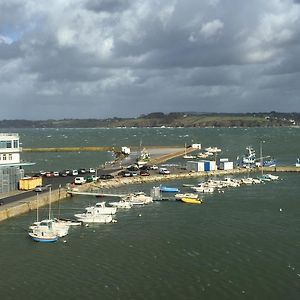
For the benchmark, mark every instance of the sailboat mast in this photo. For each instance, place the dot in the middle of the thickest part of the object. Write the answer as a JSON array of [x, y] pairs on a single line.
[[49, 203], [37, 207], [261, 159]]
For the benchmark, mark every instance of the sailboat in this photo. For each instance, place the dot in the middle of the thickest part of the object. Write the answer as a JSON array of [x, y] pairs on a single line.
[[48, 230], [43, 231]]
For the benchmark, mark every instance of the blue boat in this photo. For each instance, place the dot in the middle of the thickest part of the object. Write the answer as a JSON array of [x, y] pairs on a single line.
[[169, 189], [41, 239], [270, 163]]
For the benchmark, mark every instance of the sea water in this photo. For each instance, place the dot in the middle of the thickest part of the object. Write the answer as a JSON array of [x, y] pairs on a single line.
[[240, 244]]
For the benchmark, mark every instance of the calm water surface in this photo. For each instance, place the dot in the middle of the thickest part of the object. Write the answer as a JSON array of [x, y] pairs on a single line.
[[241, 244]]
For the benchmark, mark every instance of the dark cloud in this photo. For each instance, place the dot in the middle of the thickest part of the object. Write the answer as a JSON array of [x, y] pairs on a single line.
[[106, 5], [10, 51], [114, 57]]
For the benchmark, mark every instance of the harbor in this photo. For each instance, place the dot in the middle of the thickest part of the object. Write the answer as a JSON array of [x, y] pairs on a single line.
[[222, 239]]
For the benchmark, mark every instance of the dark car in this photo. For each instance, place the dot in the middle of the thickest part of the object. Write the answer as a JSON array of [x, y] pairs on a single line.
[[82, 171], [106, 176], [145, 168], [63, 174], [133, 168], [124, 173]]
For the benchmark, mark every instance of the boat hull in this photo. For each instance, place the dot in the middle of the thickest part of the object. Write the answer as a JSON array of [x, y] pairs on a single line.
[[42, 239], [191, 200]]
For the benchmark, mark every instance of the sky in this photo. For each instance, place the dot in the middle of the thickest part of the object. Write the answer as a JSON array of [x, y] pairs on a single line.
[[123, 58]]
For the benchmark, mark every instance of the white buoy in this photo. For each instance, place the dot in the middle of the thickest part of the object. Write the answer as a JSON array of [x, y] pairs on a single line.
[[140, 215], [280, 209], [65, 241]]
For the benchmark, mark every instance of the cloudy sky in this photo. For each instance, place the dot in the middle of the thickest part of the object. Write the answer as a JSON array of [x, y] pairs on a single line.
[[107, 58]]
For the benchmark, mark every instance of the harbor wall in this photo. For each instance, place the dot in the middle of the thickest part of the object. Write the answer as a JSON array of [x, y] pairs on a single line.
[[28, 204]]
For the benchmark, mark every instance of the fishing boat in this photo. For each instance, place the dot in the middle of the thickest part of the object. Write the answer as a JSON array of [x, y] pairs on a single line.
[[249, 158], [191, 200]]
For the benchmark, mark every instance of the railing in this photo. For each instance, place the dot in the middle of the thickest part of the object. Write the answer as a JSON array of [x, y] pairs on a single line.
[[8, 134]]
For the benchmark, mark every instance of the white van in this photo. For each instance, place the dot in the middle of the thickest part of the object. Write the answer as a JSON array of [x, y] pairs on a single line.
[[79, 180], [164, 171]]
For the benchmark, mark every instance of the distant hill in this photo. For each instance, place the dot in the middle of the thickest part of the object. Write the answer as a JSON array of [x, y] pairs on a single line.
[[174, 119]]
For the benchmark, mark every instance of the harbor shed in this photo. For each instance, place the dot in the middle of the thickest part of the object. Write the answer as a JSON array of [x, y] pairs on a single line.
[[202, 165], [226, 165]]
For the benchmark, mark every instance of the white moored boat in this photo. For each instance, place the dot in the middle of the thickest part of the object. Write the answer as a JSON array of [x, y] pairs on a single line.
[[47, 228], [186, 195], [139, 198], [121, 204], [97, 214]]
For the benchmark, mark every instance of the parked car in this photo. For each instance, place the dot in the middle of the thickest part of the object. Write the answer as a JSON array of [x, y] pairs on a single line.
[[82, 171], [74, 172], [91, 170], [164, 171], [79, 180], [145, 167], [63, 174], [42, 188], [133, 174], [133, 168], [91, 178], [154, 167], [55, 174], [49, 174], [106, 176], [124, 173]]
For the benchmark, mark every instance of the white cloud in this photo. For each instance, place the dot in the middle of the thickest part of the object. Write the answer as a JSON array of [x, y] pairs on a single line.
[[211, 29]]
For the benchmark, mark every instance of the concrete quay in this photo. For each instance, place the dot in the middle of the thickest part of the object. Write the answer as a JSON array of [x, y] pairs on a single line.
[[28, 204]]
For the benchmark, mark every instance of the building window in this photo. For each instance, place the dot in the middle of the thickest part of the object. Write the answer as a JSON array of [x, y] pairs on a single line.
[[4, 157], [5, 144], [10, 156], [16, 144]]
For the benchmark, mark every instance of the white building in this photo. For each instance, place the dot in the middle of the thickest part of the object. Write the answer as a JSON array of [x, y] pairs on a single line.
[[10, 162], [9, 149]]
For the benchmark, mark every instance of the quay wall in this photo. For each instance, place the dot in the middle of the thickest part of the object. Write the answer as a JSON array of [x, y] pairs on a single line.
[[28, 204]]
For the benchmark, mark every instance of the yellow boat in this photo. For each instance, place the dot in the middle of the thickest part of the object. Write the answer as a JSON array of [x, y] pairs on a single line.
[[191, 200]]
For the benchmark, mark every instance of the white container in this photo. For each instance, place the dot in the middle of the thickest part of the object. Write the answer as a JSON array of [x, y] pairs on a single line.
[[196, 146], [226, 165], [195, 166]]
